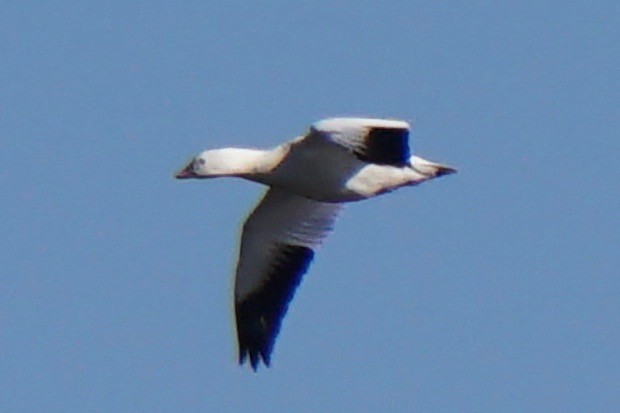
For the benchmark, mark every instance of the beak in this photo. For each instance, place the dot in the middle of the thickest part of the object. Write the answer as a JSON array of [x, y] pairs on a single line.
[[187, 172]]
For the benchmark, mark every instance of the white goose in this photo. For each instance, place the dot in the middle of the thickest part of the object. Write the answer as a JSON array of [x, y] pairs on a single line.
[[339, 160]]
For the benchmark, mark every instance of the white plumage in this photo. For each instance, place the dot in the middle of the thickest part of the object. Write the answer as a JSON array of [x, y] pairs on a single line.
[[339, 160]]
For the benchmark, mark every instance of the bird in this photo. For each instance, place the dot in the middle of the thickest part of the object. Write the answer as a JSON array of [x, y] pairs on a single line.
[[310, 178]]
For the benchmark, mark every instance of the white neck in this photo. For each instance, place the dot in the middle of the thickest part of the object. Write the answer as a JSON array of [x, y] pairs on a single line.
[[238, 162]]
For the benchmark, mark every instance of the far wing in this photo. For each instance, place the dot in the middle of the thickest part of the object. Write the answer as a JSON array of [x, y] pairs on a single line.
[[379, 141]]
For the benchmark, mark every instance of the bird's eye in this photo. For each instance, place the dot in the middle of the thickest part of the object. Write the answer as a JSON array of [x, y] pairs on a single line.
[[201, 161]]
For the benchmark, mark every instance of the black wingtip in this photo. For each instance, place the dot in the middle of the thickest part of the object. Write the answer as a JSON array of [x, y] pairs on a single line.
[[255, 342], [259, 316], [242, 354], [386, 146], [266, 359], [255, 358]]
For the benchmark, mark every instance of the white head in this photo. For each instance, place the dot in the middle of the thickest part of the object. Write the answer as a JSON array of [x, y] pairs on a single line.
[[222, 162]]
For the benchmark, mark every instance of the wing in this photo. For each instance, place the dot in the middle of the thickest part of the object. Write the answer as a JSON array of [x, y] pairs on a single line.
[[277, 245], [379, 141]]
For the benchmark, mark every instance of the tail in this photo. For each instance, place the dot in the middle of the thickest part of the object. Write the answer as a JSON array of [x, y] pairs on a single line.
[[429, 168]]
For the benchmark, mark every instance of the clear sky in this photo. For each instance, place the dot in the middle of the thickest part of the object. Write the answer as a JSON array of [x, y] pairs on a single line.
[[496, 289]]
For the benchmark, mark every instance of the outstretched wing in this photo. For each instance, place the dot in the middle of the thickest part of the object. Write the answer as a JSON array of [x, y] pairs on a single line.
[[277, 245], [379, 141]]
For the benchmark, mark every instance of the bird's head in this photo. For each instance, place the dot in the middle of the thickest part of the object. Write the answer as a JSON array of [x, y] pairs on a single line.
[[198, 167], [214, 163]]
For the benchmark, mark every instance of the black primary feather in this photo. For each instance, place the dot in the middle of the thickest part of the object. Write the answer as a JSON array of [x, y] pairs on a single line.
[[259, 316], [385, 146]]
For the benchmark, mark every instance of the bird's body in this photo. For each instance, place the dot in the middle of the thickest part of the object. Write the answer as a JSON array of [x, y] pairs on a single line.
[[310, 178]]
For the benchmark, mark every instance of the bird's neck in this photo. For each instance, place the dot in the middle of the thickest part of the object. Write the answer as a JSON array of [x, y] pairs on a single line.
[[242, 162]]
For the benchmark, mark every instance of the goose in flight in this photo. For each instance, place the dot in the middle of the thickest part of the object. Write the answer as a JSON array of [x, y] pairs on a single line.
[[310, 178]]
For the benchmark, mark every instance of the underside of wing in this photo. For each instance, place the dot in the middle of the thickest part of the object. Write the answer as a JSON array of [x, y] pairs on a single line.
[[277, 247]]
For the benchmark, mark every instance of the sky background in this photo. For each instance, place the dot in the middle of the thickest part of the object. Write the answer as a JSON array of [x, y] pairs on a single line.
[[496, 289]]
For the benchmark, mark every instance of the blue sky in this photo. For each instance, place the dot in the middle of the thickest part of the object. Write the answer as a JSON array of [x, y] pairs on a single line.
[[495, 289]]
